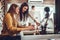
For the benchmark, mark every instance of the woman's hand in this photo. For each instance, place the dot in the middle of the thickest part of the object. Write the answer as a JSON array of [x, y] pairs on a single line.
[[38, 24], [30, 27]]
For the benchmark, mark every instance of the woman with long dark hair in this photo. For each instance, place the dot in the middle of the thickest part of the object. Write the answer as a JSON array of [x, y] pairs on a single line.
[[10, 24], [24, 13]]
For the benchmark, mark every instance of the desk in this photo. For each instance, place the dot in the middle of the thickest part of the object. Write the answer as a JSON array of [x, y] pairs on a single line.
[[41, 37]]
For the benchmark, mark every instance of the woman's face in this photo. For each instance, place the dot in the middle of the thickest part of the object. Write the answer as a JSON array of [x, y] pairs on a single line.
[[17, 10], [24, 8]]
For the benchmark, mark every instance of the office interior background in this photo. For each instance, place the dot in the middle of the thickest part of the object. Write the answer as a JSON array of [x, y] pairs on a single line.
[[39, 11]]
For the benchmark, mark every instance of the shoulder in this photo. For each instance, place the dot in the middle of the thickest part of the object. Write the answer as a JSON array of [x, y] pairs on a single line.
[[7, 16]]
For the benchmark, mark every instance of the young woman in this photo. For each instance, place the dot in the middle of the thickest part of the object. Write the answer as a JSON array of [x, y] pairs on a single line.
[[10, 24], [24, 14]]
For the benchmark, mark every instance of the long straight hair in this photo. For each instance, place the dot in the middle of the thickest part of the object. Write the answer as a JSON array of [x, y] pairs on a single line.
[[12, 9], [25, 14]]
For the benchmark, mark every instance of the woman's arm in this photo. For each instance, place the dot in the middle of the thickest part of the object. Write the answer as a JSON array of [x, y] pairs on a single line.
[[34, 20], [32, 17], [8, 21]]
